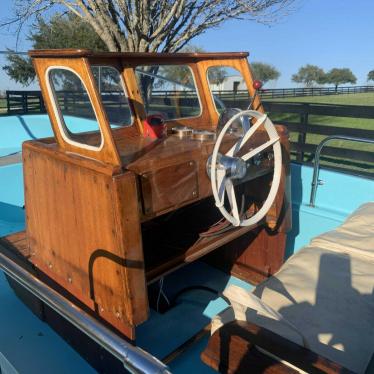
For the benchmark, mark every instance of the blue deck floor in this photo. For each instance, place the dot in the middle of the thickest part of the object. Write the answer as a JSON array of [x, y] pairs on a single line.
[[30, 346], [24, 339], [192, 313]]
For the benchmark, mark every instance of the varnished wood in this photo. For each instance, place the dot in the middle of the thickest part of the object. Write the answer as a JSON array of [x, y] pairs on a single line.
[[259, 254], [134, 55], [19, 241], [51, 149], [102, 224], [253, 256], [234, 349], [199, 249], [158, 163], [134, 96], [13, 246], [197, 62], [169, 187], [80, 66], [89, 243]]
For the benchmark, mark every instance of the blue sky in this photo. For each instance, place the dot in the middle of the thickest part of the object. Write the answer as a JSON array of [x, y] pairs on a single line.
[[327, 33]]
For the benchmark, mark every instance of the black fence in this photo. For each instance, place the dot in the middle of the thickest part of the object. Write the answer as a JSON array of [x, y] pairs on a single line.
[[15, 102], [279, 93], [310, 123], [313, 91], [24, 102]]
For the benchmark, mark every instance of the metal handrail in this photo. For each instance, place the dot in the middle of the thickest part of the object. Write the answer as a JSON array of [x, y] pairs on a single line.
[[133, 358], [315, 181]]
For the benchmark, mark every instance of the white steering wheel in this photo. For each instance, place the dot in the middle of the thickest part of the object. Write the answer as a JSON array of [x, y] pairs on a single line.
[[221, 179]]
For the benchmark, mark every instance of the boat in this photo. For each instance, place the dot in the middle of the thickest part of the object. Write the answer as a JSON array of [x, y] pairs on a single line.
[[142, 213]]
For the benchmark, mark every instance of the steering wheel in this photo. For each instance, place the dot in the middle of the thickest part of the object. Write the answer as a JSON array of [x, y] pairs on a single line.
[[225, 168]]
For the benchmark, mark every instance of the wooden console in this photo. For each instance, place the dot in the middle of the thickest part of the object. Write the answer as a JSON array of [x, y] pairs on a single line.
[[105, 222]]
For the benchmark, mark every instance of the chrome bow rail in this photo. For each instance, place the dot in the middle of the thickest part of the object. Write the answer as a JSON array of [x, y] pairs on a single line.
[[315, 181], [134, 359]]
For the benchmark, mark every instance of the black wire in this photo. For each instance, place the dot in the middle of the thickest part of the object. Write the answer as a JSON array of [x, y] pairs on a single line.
[[192, 288]]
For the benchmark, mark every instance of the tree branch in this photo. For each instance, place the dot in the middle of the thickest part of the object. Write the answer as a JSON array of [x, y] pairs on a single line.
[[153, 25]]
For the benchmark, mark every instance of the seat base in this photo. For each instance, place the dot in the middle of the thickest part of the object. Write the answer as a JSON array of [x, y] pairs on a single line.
[[243, 347]]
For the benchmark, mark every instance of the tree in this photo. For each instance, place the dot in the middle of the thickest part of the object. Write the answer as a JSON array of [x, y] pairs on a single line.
[[152, 25], [19, 69], [264, 72], [309, 75], [370, 75], [339, 76], [68, 31], [217, 75], [181, 73]]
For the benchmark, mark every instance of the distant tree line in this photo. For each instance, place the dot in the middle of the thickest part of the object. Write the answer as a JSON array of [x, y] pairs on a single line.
[[309, 75]]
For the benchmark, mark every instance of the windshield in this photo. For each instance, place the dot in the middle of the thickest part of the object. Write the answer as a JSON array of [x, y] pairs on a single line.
[[169, 90]]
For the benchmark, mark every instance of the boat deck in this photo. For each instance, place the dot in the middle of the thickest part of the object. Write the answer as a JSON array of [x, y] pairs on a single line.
[[28, 345], [158, 334]]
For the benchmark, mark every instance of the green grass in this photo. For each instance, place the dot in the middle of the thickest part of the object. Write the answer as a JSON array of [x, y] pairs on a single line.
[[351, 99], [3, 107], [343, 122]]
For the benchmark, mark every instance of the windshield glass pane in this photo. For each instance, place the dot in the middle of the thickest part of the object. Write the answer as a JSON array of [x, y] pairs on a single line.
[[113, 95], [228, 88], [168, 90], [74, 108]]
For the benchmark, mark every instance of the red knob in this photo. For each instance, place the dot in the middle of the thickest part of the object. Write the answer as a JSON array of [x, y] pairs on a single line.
[[257, 84]]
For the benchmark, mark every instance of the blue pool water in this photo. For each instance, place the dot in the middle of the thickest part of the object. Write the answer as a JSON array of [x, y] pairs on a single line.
[[24, 339], [16, 129]]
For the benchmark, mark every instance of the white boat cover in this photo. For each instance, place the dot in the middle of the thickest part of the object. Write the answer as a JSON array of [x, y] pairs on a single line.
[[322, 297]]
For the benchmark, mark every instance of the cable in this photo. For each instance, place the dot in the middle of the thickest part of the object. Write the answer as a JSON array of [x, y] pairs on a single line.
[[161, 292], [192, 288]]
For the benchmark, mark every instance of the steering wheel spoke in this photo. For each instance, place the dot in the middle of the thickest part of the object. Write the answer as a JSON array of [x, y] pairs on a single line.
[[259, 149], [221, 183], [233, 203], [239, 144]]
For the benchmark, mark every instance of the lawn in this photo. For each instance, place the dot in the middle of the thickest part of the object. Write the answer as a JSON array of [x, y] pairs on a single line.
[[3, 107], [347, 122], [349, 99]]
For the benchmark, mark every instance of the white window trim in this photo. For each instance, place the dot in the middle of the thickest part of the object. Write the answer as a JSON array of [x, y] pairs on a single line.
[[60, 118]]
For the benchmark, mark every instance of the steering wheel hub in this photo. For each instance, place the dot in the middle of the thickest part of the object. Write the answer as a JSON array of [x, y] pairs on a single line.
[[234, 167]]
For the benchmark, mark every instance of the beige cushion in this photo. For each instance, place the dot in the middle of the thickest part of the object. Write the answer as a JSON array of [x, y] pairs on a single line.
[[322, 298], [355, 235]]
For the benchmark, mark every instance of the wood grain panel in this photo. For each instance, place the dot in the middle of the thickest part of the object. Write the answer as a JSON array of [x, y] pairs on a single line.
[[139, 56], [79, 236], [169, 187]]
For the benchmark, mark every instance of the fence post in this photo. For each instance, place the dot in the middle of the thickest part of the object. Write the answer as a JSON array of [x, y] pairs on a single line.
[[41, 103], [65, 101], [24, 103], [304, 116], [7, 102]]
